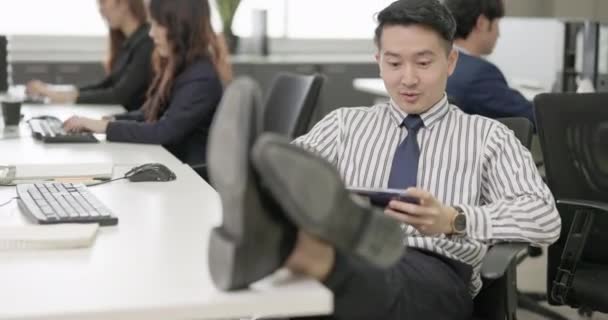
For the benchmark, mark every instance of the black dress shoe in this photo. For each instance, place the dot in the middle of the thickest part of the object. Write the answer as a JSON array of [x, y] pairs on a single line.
[[254, 239], [313, 196]]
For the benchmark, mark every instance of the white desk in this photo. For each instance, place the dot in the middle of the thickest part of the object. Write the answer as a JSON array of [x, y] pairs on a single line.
[[24, 149], [152, 265], [376, 87]]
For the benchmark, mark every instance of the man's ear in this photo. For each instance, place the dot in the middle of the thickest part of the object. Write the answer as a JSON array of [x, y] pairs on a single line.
[[452, 60], [379, 61], [482, 23]]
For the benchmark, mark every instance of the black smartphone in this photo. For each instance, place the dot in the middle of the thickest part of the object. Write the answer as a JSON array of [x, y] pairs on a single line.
[[381, 197]]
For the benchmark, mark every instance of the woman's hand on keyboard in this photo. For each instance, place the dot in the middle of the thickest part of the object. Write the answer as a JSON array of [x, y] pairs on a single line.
[[41, 89], [36, 88], [79, 124]]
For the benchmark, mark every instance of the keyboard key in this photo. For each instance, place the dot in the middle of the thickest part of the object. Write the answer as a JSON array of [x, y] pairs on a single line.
[[47, 210], [36, 195]]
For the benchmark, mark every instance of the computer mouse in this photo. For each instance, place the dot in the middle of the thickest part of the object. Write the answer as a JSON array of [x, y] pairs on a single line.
[[150, 172]]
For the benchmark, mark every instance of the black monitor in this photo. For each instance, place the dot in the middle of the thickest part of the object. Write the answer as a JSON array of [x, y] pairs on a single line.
[[3, 64]]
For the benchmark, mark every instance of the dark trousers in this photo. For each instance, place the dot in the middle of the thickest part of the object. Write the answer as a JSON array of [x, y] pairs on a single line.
[[421, 285]]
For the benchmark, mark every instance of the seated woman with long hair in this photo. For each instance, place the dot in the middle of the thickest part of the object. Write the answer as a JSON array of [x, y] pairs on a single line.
[[190, 68], [128, 66]]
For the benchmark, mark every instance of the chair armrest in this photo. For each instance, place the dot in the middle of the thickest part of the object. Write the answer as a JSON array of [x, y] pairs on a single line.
[[576, 240], [601, 207], [500, 257]]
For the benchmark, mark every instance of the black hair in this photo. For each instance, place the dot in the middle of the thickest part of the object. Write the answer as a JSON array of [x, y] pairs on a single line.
[[429, 13], [466, 13]]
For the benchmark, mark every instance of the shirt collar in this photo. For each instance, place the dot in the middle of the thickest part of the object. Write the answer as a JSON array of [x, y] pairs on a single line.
[[461, 49], [429, 117]]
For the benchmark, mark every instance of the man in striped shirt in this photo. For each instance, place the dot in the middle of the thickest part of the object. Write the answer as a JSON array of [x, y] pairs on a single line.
[[475, 181]]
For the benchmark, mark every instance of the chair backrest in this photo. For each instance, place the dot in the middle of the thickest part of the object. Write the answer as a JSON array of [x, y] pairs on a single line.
[[290, 103], [573, 133], [522, 127]]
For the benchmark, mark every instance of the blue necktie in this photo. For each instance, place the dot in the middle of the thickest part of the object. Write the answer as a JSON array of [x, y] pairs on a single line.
[[405, 161]]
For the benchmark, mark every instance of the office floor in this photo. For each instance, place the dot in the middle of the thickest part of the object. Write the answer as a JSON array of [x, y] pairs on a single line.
[[531, 276]]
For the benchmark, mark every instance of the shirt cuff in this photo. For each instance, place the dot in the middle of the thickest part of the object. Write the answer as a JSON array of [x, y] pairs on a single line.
[[111, 130], [479, 224]]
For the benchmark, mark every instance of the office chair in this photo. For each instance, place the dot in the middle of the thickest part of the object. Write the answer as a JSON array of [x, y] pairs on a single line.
[[231, 93], [288, 107], [521, 127], [290, 103], [573, 132]]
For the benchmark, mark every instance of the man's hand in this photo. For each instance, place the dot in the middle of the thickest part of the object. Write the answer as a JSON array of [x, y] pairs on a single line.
[[430, 218]]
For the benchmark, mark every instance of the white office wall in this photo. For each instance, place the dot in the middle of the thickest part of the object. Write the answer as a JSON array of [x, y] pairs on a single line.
[[530, 49]]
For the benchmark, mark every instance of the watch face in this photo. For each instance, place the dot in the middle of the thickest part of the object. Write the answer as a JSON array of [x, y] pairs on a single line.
[[460, 223]]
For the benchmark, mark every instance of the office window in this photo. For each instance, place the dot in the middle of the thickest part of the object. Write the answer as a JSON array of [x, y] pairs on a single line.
[[54, 17], [332, 18], [286, 18], [312, 19], [59, 17], [276, 20]]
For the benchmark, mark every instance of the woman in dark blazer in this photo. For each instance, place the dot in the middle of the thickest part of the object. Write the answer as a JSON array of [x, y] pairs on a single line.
[[128, 67], [191, 67]]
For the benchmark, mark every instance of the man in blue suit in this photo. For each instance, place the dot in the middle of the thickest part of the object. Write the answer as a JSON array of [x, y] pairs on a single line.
[[477, 86]]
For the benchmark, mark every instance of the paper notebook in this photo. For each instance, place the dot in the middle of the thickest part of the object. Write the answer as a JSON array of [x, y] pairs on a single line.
[[57, 236], [41, 172]]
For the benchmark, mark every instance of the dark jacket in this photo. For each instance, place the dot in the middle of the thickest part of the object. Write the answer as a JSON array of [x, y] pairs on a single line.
[[478, 87], [183, 127], [131, 74]]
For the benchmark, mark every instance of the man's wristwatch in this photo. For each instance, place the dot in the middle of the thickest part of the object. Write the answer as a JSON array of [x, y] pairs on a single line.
[[459, 223]]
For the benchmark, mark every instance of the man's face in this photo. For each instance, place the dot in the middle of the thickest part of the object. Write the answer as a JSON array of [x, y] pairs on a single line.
[[414, 66]]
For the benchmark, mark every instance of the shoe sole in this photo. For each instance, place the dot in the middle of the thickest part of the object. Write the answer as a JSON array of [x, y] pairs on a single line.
[[313, 196], [252, 241]]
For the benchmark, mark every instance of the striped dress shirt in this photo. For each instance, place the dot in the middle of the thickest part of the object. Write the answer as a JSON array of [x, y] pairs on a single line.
[[466, 160]]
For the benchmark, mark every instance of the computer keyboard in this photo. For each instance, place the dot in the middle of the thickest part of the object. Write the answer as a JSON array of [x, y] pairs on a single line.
[[49, 203], [50, 130]]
